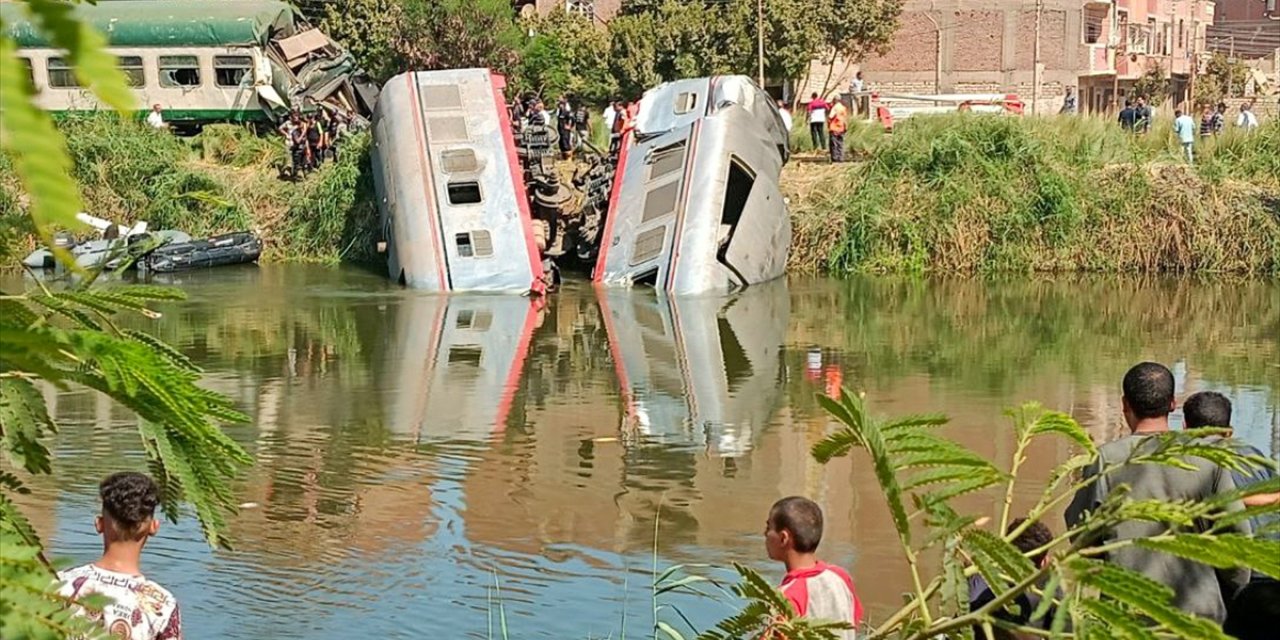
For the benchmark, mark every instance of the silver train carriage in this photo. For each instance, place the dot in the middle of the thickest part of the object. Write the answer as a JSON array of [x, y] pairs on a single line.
[[450, 189], [696, 206]]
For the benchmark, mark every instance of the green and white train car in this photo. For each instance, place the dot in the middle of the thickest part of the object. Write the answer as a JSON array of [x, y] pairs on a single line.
[[200, 60]]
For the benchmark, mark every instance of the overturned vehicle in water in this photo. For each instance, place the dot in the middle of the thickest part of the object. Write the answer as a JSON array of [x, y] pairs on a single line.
[[470, 200], [696, 205]]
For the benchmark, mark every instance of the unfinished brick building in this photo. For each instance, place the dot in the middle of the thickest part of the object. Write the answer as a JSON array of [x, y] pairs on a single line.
[[988, 46]]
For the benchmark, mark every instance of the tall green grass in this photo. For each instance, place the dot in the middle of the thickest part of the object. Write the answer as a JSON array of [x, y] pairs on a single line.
[[969, 193], [224, 179]]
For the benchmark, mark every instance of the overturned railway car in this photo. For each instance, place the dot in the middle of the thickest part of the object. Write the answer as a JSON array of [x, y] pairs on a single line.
[[454, 212], [696, 206]]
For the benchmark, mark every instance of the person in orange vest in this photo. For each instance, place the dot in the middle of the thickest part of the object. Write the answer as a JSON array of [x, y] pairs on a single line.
[[837, 124]]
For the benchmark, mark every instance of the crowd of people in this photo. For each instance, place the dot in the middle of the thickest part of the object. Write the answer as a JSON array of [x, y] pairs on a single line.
[[311, 137], [1248, 605], [1137, 117]]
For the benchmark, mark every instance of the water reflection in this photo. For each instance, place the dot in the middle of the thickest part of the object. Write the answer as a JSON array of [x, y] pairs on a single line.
[[701, 371], [409, 447]]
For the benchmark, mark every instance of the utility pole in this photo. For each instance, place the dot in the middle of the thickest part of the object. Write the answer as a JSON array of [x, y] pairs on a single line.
[[937, 53], [760, 39], [1195, 57], [1035, 64]]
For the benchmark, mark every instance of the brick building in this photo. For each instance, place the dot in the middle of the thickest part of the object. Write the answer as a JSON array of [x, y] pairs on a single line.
[[987, 46]]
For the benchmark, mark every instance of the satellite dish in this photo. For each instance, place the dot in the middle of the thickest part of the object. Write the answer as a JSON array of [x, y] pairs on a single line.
[[528, 10]]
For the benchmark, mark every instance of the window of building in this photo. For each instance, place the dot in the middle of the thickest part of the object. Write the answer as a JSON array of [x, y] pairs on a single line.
[[229, 71], [131, 66], [1093, 20], [61, 76], [586, 8], [1182, 35], [179, 71], [685, 102]]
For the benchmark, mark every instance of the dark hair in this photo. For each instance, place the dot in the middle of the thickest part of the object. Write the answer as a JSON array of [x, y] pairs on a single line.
[[129, 498], [1207, 409], [802, 517], [1148, 387], [814, 94], [1035, 536]]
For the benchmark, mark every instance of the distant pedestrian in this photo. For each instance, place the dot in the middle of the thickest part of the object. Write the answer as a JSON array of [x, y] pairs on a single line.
[[837, 124], [1143, 125], [817, 121], [1185, 128], [1210, 122], [607, 116], [582, 123], [816, 589], [564, 126], [857, 85], [1069, 106], [1034, 538], [156, 118], [786, 116], [1128, 116], [139, 609], [1247, 119]]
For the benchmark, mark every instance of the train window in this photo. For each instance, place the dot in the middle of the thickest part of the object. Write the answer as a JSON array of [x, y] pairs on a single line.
[[464, 192], [31, 72], [179, 71], [132, 68], [474, 244], [685, 102], [61, 75], [229, 71]]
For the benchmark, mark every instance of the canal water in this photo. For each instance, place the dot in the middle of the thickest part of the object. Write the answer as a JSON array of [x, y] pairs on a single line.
[[429, 465]]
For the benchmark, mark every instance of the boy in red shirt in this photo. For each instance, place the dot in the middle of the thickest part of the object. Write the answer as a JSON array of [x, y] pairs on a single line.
[[816, 589]]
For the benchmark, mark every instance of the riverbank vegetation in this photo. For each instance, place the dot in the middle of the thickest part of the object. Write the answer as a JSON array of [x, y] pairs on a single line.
[[226, 178], [975, 194]]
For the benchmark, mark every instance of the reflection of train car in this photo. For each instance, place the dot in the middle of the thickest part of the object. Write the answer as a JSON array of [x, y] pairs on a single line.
[[458, 362], [454, 212], [696, 205], [700, 369], [200, 60]]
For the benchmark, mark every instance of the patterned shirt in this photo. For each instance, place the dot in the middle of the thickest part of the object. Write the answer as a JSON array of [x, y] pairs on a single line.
[[824, 592], [140, 609]]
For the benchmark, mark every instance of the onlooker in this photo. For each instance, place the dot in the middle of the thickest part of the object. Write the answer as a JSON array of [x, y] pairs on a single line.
[[582, 123], [315, 141], [1198, 588], [140, 609], [1034, 537], [156, 117], [1248, 615], [564, 126], [1143, 125], [837, 124], [617, 124], [1208, 124], [816, 589], [610, 112], [817, 121], [856, 85], [1069, 106], [1128, 116], [786, 116], [1247, 120], [1185, 128]]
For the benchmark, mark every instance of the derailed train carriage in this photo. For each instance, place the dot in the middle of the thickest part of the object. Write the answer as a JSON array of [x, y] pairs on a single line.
[[697, 207], [694, 204]]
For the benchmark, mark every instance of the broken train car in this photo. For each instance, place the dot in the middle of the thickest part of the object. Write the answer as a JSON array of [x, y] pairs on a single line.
[[455, 215], [696, 206], [200, 60]]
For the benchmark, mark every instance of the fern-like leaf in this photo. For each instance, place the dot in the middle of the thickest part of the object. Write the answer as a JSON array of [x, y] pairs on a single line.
[[24, 421], [1145, 597], [1225, 551], [1118, 620], [95, 68]]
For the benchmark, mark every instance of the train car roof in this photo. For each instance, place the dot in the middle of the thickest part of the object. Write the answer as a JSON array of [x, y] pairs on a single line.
[[156, 23]]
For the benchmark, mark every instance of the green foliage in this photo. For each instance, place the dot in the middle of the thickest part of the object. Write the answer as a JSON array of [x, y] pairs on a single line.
[[565, 53], [972, 193], [1100, 599], [1152, 85], [67, 335], [370, 30], [458, 34], [1223, 78]]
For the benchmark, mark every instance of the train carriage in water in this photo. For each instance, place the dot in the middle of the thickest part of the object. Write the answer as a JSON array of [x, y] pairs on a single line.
[[200, 60], [696, 205], [455, 215]]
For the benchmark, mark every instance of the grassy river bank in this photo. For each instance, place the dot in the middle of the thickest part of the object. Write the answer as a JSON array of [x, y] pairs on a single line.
[[947, 194]]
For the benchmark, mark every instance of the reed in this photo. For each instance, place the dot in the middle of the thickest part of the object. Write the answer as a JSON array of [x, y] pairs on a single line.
[[972, 194]]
